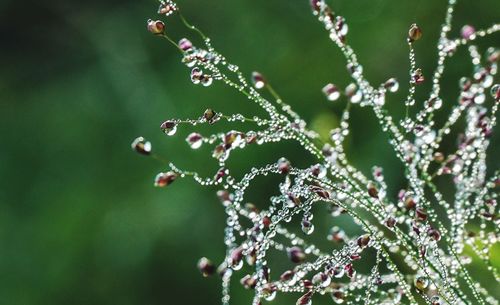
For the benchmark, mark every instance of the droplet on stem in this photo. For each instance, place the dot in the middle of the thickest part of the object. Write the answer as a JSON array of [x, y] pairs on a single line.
[[258, 80]]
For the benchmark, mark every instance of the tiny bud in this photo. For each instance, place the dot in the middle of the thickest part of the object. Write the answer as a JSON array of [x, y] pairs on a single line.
[[185, 45], [372, 191], [392, 85], [305, 299], [236, 258], [331, 92], [495, 92], [390, 222], [421, 283], [283, 166], [141, 146], [438, 157], [308, 284], [363, 240], [321, 192], [169, 127], [468, 32], [415, 33], [421, 214], [210, 115], [248, 281], [418, 76], [165, 179], [194, 140], [156, 26], [258, 80], [206, 267], [410, 203], [287, 275], [434, 234], [296, 255]]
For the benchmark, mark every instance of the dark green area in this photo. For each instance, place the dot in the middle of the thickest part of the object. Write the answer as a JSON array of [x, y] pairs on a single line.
[[80, 222]]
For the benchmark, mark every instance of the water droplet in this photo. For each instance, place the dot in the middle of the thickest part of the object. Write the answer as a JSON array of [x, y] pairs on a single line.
[[169, 127], [331, 92], [142, 146], [194, 140], [283, 166]]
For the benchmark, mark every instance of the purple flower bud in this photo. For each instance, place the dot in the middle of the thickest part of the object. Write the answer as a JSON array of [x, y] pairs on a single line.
[[206, 267], [468, 31], [185, 44], [156, 27]]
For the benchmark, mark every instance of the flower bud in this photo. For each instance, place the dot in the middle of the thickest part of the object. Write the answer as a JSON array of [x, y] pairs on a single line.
[[415, 33], [156, 26], [141, 146], [165, 179], [206, 267]]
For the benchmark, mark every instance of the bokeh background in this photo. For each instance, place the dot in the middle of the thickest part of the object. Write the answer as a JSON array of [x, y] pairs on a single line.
[[80, 221]]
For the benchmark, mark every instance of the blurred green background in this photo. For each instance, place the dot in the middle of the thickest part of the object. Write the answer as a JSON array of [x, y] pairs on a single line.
[[80, 221]]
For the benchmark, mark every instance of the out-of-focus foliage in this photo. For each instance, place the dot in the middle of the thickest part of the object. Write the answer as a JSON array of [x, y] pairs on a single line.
[[80, 222]]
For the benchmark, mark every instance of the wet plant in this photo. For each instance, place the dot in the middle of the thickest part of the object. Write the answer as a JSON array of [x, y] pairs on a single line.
[[414, 243]]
